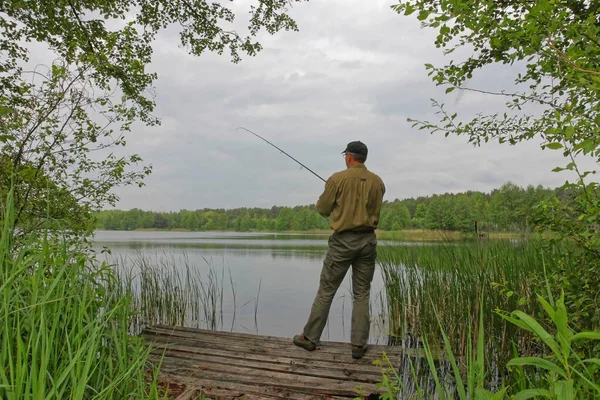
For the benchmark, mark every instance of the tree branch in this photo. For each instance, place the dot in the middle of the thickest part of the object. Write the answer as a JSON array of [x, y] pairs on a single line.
[[564, 57]]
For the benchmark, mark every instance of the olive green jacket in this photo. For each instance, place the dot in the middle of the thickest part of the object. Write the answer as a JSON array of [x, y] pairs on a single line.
[[352, 199]]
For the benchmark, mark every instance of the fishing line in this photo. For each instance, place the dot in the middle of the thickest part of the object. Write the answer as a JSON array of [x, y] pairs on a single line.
[[260, 137]]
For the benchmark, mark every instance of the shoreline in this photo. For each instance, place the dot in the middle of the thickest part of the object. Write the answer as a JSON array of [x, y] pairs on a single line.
[[403, 235]]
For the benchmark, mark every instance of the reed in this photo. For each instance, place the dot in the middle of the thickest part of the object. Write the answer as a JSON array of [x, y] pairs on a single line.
[[441, 285], [563, 373], [170, 290], [64, 325]]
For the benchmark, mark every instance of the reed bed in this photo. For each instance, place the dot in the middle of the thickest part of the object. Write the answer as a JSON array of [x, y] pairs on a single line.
[[446, 281], [170, 290], [64, 326]]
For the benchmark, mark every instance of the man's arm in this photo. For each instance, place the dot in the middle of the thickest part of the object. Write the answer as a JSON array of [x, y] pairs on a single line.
[[327, 199]]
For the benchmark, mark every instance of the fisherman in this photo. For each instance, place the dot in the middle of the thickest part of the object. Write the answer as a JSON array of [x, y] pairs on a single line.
[[352, 199]]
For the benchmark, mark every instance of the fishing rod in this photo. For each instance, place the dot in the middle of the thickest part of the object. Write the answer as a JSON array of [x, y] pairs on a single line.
[[260, 137]]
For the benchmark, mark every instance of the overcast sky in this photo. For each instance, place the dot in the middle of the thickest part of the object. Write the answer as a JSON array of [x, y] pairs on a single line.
[[354, 71]]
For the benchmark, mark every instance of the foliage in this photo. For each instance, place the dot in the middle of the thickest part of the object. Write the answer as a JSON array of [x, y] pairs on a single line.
[[64, 326], [58, 126], [507, 208], [48, 155], [553, 49], [446, 282], [395, 217], [562, 375], [553, 45], [240, 219], [565, 375]]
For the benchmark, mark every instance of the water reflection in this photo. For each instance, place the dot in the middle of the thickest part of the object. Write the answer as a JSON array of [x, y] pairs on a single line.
[[274, 277]]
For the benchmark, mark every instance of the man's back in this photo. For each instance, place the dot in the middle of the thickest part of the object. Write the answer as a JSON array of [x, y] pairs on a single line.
[[352, 198]]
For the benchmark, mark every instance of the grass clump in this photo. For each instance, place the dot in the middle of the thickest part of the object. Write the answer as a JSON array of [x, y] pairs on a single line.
[[64, 325], [432, 285]]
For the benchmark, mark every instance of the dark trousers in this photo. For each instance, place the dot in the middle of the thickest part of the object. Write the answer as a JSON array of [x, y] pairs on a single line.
[[346, 249]]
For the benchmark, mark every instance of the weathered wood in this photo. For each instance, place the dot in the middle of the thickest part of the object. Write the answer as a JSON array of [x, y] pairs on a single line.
[[228, 365], [161, 344], [281, 381], [270, 341], [280, 346], [260, 349], [242, 336], [189, 394], [235, 390]]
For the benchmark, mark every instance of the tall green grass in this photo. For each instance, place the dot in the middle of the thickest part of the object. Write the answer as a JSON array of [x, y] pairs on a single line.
[[64, 325], [172, 291], [441, 285], [564, 374]]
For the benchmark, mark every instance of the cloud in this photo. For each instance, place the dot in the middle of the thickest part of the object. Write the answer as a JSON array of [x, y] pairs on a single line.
[[353, 71]]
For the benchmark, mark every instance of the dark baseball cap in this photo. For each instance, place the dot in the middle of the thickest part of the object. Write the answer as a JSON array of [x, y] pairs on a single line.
[[356, 147]]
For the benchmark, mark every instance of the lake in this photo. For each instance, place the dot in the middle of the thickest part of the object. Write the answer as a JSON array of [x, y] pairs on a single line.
[[275, 276]]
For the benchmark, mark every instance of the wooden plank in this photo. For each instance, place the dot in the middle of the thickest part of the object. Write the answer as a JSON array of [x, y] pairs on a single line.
[[238, 389], [189, 394], [195, 351], [290, 352], [226, 364], [284, 381], [240, 335], [245, 337], [196, 365], [270, 347], [318, 390], [220, 394]]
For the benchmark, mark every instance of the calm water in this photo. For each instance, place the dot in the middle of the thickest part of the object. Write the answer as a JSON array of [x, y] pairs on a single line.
[[286, 268]]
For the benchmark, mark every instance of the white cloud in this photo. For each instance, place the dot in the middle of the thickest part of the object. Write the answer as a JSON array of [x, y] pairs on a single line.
[[354, 71]]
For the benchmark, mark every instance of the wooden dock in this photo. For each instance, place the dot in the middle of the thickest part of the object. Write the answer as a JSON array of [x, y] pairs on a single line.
[[224, 365]]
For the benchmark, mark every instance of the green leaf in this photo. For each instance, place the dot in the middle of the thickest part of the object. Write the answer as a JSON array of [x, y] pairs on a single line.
[[547, 307], [460, 387], [423, 15], [430, 361], [561, 322], [586, 335], [538, 363], [592, 361], [564, 390], [554, 146], [531, 393], [569, 132], [499, 395], [539, 331], [514, 321]]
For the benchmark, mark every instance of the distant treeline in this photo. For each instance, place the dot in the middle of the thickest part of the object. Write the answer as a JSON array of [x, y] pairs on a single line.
[[508, 208]]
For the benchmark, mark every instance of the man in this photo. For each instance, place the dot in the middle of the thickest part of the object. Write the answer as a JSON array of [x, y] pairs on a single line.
[[352, 199]]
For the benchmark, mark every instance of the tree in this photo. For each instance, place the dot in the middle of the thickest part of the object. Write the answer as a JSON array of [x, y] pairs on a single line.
[[554, 49], [420, 214], [464, 213], [52, 120], [435, 212], [284, 220], [507, 205], [160, 221], [399, 217]]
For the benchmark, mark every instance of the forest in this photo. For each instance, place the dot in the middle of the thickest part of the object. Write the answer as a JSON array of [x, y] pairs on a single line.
[[509, 208]]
